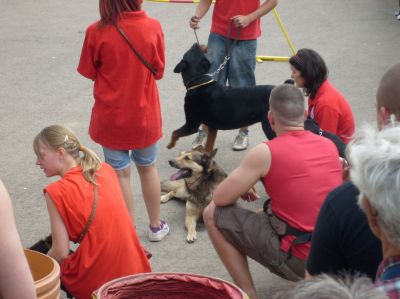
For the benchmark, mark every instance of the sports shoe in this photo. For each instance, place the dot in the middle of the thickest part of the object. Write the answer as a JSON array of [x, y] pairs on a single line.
[[200, 139], [156, 234], [241, 141], [397, 13], [398, 17]]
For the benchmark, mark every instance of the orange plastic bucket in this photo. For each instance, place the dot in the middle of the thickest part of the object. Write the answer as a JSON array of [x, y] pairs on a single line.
[[46, 274], [169, 286]]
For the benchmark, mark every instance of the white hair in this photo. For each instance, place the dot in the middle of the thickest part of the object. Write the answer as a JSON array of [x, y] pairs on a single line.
[[332, 287], [375, 169]]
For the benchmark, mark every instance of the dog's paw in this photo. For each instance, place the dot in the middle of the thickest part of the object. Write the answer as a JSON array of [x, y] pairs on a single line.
[[164, 198], [191, 238]]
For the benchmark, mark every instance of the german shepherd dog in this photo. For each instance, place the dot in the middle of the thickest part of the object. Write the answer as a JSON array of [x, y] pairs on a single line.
[[197, 177], [218, 106]]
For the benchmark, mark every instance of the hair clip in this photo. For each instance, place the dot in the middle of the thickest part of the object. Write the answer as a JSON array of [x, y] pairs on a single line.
[[66, 138], [298, 60]]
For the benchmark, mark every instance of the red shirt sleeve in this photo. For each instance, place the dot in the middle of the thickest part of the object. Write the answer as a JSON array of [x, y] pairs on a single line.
[[89, 56], [159, 58]]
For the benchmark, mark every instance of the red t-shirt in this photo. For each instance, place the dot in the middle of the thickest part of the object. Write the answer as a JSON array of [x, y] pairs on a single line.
[[304, 168], [224, 10], [332, 112], [111, 248], [126, 112]]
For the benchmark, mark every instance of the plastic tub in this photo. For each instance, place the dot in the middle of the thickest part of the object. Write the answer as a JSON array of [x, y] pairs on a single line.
[[169, 286], [46, 274]]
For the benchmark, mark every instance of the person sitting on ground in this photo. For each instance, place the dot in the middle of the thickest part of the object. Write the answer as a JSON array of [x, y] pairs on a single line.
[[86, 205], [375, 169], [291, 170], [326, 105], [330, 287], [15, 276], [379, 152], [342, 239]]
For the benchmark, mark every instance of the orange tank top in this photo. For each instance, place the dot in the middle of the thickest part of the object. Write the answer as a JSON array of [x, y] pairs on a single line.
[[111, 248]]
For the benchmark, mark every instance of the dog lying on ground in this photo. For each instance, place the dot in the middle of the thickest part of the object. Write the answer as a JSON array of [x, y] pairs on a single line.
[[197, 177], [218, 106]]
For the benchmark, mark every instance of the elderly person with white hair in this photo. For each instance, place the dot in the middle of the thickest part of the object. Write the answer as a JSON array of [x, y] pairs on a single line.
[[375, 169]]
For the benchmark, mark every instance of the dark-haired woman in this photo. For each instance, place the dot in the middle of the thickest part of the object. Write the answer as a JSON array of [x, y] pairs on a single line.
[[126, 116], [326, 105]]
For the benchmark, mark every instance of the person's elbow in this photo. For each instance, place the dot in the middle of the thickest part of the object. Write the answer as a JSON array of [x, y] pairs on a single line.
[[58, 253]]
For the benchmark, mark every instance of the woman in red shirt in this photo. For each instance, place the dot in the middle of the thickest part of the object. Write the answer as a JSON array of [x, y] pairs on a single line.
[[110, 248], [326, 105], [126, 116]]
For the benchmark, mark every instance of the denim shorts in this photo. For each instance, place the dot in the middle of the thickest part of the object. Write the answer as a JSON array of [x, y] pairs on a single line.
[[239, 71], [119, 159]]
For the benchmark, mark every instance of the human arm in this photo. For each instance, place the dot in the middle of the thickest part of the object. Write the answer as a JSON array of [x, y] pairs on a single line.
[[254, 165], [15, 276], [60, 248], [243, 21], [201, 9]]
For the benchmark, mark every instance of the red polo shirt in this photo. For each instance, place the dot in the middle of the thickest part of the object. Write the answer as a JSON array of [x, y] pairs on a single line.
[[126, 112], [332, 112], [224, 10]]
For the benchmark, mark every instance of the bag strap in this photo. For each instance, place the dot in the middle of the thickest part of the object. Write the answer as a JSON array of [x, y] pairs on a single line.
[[144, 61], [90, 220]]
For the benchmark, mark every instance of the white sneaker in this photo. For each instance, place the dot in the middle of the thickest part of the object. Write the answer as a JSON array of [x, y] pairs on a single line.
[[398, 17], [241, 141], [200, 139], [158, 233], [397, 12]]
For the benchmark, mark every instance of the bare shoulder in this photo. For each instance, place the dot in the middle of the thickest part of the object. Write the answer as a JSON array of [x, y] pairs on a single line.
[[258, 158]]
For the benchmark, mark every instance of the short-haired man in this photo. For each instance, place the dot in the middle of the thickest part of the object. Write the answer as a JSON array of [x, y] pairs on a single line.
[[297, 168]]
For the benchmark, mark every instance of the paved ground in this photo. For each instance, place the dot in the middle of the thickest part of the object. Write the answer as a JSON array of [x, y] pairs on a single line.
[[40, 43]]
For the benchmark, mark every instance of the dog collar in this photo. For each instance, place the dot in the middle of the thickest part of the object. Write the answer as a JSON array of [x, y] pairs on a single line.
[[198, 85]]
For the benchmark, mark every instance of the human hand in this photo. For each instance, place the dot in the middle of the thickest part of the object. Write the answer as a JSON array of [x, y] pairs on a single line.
[[345, 169], [250, 195], [241, 21], [194, 22]]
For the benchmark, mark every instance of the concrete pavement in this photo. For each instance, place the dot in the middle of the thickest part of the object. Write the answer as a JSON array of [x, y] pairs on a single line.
[[40, 43]]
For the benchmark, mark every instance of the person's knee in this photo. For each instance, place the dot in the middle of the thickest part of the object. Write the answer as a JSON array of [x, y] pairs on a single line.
[[124, 173], [208, 214]]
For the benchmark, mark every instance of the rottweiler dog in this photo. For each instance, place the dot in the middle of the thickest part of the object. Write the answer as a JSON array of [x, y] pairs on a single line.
[[225, 108], [219, 107]]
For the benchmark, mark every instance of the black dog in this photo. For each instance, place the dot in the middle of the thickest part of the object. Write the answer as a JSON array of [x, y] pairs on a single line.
[[226, 108], [217, 106]]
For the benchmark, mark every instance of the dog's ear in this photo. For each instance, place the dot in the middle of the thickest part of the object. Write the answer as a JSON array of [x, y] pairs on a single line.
[[289, 81], [212, 154], [199, 148], [180, 66]]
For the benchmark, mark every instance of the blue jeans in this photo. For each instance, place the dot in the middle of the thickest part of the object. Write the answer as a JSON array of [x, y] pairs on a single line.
[[119, 159], [239, 71]]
